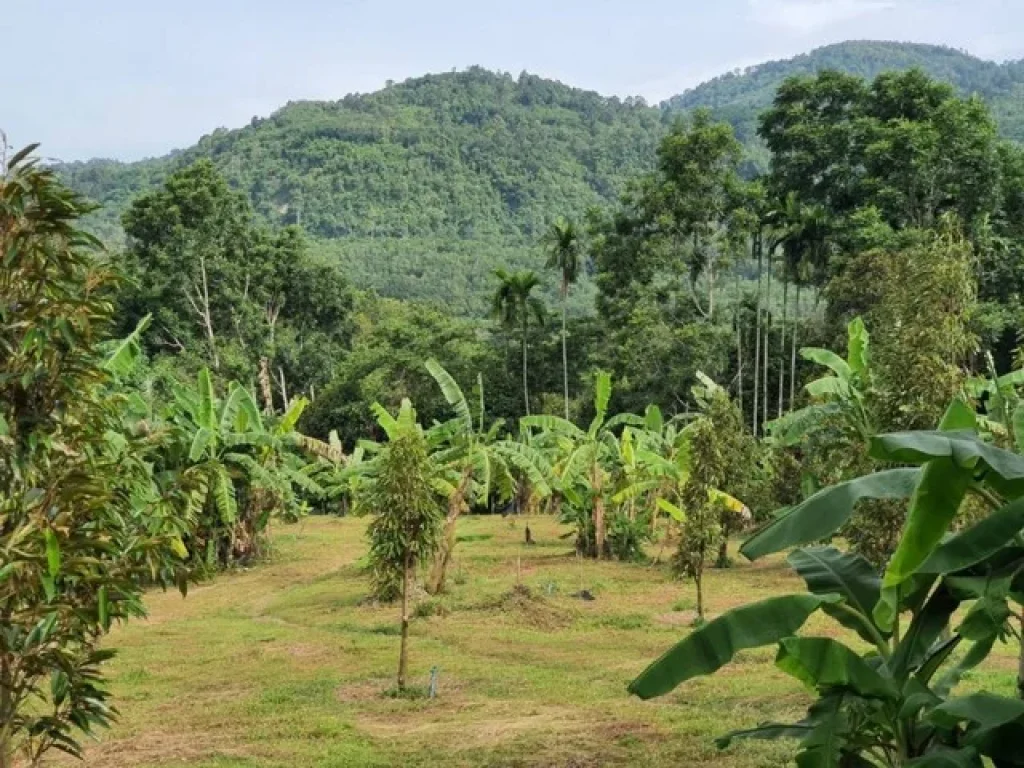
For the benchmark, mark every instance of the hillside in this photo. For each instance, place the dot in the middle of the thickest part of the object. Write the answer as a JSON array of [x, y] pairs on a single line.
[[422, 188], [740, 96]]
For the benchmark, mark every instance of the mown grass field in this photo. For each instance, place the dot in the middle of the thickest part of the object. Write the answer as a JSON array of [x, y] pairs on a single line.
[[285, 665]]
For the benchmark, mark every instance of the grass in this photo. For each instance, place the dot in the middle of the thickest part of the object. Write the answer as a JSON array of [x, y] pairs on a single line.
[[287, 665]]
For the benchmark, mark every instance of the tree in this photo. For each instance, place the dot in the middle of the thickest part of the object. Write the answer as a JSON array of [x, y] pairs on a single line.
[[479, 465], [565, 253], [407, 517], [892, 705], [82, 527], [514, 304]]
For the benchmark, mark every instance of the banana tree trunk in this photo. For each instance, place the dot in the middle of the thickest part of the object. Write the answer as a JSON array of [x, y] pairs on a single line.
[[456, 506], [599, 524], [403, 654], [565, 353]]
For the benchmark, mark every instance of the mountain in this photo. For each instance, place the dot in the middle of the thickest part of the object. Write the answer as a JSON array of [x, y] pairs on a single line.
[[741, 95], [422, 188]]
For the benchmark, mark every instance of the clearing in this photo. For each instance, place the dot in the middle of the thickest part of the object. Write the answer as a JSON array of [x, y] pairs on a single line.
[[284, 665]]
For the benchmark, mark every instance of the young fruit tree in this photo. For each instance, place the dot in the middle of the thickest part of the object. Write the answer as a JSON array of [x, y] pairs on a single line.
[[944, 600], [81, 526], [407, 515]]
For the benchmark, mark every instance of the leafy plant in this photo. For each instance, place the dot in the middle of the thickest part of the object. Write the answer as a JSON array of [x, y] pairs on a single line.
[[82, 524], [890, 706], [407, 518]]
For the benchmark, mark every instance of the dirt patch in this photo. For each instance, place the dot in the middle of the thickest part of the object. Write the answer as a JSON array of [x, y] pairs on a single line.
[[159, 748], [527, 607]]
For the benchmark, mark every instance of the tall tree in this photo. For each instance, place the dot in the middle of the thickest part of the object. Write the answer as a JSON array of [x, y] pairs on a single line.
[[515, 305], [565, 253]]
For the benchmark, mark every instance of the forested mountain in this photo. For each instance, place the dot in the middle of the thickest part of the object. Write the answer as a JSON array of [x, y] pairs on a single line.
[[741, 95], [421, 189]]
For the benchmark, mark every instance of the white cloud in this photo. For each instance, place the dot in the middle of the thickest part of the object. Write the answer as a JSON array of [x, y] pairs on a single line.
[[805, 16]]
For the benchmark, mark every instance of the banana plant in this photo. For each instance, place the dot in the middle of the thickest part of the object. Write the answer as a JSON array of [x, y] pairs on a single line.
[[475, 464], [589, 465], [841, 395], [945, 598], [235, 466]]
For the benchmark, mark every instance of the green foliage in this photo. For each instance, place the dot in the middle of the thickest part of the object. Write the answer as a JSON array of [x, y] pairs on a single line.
[[405, 528], [82, 525], [890, 706], [225, 292]]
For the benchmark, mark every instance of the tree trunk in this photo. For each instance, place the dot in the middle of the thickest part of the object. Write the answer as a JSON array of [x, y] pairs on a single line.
[[698, 579], [782, 342], [526, 385], [722, 561], [456, 505], [565, 352], [757, 333], [767, 336], [792, 357], [403, 655], [739, 347], [599, 529]]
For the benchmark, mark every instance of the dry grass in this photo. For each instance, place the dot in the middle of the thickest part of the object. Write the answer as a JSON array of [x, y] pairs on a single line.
[[285, 665]]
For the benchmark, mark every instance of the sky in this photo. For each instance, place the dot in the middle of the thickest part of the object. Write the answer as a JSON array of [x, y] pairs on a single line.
[[137, 78]]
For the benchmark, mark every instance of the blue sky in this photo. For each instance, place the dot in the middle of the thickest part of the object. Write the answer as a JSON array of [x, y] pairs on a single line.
[[135, 78]]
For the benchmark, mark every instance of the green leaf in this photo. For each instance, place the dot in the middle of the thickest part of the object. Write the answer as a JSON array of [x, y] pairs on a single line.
[[822, 663], [925, 630], [829, 359], [960, 758], [933, 508], [984, 709], [126, 354], [224, 496], [674, 512], [857, 345], [602, 394], [52, 552], [386, 421], [825, 512], [977, 543], [714, 645], [200, 442], [5, 430], [452, 394], [826, 570], [1018, 426], [766, 732], [961, 449]]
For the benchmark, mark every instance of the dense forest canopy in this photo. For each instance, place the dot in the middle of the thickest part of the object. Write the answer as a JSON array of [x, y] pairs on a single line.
[[421, 189]]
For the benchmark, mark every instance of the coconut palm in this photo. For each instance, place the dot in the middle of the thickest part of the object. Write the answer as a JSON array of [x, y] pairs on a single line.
[[565, 253], [514, 305]]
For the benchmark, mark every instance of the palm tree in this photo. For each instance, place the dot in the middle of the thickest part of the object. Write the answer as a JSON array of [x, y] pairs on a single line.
[[514, 305], [565, 253]]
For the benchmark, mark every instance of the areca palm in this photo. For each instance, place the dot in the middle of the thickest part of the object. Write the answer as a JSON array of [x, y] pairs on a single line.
[[565, 253], [514, 305]]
